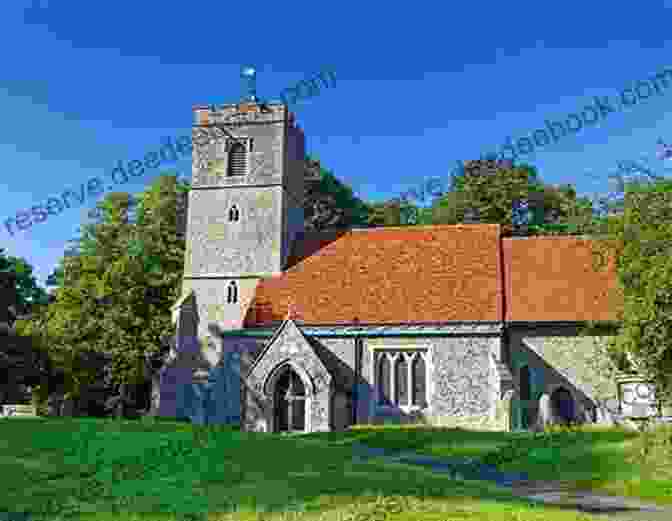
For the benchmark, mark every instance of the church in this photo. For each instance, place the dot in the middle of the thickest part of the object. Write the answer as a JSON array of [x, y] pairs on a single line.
[[280, 330]]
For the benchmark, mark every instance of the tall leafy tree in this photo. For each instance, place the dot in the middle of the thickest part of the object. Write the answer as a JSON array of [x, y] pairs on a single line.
[[140, 286], [71, 325], [451, 208], [97, 215], [485, 191], [118, 289], [495, 191], [49, 374], [20, 289], [21, 363], [328, 202], [394, 212], [640, 242]]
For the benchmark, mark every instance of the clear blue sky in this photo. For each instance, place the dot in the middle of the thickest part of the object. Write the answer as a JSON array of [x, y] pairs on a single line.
[[84, 84]]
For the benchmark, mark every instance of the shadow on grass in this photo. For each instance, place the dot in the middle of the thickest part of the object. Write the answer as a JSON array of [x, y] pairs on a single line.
[[424, 440]]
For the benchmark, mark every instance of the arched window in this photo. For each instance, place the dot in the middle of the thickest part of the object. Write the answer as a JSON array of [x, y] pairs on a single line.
[[384, 380], [419, 381], [237, 159], [401, 380], [525, 393], [232, 293], [234, 213]]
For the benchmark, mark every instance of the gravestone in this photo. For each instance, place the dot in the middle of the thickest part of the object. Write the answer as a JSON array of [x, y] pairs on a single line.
[[54, 402], [545, 415], [68, 407], [18, 410], [155, 400]]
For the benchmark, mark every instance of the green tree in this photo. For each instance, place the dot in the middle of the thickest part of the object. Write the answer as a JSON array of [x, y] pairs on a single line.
[[328, 202], [451, 208], [485, 191], [55, 370], [639, 241], [75, 245], [394, 212], [20, 289], [500, 192], [117, 291], [21, 363], [140, 285]]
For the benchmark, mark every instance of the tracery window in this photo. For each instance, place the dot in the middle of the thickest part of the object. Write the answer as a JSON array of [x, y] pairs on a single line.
[[401, 378], [419, 382], [384, 382]]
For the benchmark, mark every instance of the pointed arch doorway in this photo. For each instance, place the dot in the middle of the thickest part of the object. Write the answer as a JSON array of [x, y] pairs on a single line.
[[289, 399]]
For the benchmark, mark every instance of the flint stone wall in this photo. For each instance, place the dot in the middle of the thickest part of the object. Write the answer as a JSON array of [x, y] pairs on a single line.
[[462, 390], [250, 245], [560, 358]]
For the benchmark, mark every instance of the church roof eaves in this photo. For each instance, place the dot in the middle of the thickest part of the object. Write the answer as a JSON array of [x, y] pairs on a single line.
[[377, 330], [434, 273]]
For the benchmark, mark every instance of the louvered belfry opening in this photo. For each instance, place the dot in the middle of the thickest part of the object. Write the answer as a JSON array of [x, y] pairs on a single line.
[[237, 159]]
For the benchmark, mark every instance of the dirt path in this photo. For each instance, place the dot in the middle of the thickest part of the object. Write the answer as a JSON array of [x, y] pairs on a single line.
[[550, 492], [615, 507]]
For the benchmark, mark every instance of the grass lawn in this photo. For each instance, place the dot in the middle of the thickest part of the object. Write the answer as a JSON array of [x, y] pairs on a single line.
[[423, 440], [110, 470], [602, 459]]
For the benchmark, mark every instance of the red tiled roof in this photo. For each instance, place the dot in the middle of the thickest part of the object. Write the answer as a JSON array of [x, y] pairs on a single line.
[[420, 274], [552, 279], [426, 274]]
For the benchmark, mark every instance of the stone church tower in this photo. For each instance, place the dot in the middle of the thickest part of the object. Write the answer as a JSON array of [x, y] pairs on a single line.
[[245, 206], [244, 210]]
